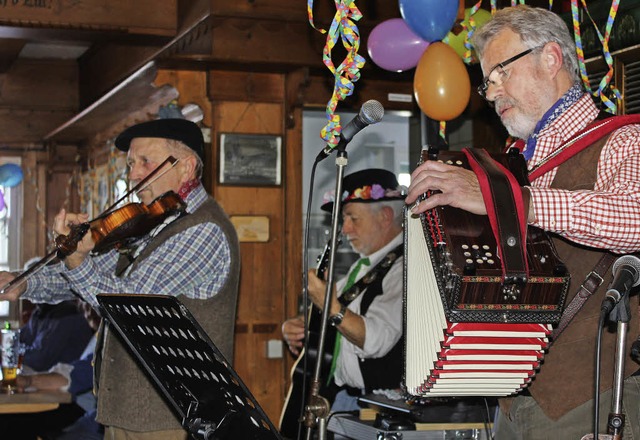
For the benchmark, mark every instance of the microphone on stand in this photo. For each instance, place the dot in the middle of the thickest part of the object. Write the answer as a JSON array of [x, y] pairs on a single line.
[[626, 275], [371, 112]]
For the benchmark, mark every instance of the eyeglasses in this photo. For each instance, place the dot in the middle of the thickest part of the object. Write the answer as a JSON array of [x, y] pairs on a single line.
[[499, 74]]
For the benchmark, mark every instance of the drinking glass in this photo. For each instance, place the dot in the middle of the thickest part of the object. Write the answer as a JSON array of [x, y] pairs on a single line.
[[10, 359]]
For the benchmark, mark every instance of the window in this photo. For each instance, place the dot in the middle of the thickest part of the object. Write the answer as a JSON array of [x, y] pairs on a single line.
[[10, 232]]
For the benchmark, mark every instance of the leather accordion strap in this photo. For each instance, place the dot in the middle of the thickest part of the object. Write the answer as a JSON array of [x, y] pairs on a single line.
[[505, 209], [588, 287]]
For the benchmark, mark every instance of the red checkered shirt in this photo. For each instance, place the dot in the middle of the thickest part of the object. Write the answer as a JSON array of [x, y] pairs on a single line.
[[607, 217]]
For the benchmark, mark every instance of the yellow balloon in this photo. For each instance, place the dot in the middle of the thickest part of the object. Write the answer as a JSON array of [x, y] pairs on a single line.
[[457, 41], [441, 83]]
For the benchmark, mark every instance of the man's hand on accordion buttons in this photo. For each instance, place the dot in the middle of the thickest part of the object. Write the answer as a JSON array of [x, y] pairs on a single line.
[[453, 186]]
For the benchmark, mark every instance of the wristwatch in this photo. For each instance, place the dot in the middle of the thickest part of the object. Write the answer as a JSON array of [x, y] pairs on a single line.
[[336, 320]]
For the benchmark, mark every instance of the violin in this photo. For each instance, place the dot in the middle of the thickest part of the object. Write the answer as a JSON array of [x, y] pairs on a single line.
[[123, 225], [115, 227]]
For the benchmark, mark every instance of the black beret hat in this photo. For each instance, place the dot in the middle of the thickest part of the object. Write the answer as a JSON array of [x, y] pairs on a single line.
[[368, 186], [181, 130]]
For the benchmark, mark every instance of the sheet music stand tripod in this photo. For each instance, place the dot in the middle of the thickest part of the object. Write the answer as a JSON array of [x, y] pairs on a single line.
[[206, 393]]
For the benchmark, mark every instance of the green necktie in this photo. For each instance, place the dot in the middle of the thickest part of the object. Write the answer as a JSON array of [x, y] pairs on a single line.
[[354, 273], [351, 280]]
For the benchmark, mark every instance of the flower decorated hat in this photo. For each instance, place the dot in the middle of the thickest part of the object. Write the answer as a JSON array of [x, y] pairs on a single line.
[[367, 186]]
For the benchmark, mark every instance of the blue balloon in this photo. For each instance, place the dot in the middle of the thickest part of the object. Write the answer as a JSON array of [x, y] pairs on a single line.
[[10, 174], [430, 19]]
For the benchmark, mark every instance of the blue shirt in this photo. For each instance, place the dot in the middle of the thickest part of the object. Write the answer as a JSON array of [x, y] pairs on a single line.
[[54, 333], [195, 263]]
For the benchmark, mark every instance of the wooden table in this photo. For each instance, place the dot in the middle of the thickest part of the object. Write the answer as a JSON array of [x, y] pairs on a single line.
[[32, 402]]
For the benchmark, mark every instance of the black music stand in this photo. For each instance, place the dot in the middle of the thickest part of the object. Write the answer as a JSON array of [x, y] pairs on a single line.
[[205, 392]]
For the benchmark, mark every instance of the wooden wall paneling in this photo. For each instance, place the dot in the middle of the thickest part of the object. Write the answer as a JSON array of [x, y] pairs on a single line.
[[64, 166], [248, 117], [245, 86], [260, 304], [296, 85], [319, 90], [192, 89], [261, 297], [34, 206]]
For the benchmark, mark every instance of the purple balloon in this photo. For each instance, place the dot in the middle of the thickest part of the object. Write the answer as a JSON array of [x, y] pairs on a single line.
[[1, 201], [393, 46]]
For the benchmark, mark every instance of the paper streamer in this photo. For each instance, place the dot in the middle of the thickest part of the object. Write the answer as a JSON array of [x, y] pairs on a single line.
[[348, 72]]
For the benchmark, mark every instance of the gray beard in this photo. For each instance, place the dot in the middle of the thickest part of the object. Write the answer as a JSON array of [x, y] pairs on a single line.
[[521, 127]]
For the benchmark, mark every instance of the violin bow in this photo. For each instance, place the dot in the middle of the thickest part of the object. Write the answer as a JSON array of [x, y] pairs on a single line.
[[23, 276], [145, 182]]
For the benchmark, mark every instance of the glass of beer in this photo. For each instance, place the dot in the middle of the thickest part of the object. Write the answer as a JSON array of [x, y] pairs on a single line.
[[10, 359]]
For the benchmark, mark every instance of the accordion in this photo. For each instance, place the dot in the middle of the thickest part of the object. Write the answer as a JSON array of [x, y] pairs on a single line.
[[472, 328]]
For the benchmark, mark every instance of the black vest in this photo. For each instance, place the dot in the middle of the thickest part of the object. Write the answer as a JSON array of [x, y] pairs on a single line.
[[384, 372]]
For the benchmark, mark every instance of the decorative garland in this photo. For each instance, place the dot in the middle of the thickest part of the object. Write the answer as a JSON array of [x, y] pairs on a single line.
[[348, 71], [605, 83]]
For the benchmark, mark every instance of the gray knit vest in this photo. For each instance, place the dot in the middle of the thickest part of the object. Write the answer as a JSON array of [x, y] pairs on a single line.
[[126, 397]]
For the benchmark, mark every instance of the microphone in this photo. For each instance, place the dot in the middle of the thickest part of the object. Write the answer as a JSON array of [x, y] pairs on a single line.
[[626, 275], [370, 113]]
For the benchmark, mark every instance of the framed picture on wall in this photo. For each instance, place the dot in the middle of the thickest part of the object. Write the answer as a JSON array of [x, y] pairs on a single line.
[[250, 159]]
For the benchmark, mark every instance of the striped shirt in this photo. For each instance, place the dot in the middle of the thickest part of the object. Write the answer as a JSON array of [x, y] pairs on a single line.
[[194, 263], [607, 217]]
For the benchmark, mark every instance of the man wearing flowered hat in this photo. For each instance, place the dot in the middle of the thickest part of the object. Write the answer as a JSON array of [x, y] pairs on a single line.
[[366, 308]]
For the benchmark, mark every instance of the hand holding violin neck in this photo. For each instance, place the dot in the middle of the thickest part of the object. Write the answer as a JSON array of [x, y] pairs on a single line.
[[68, 244]]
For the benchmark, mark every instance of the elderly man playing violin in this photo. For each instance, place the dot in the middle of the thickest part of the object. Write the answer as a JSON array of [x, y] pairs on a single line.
[[192, 254]]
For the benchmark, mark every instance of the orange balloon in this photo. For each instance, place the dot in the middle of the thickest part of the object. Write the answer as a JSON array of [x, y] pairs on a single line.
[[441, 83]]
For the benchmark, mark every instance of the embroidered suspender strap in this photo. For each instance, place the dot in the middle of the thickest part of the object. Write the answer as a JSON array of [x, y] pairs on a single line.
[[379, 270], [505, 209], [581, 140], [588, 287]]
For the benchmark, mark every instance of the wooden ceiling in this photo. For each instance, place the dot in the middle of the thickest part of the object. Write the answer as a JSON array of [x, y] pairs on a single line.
[[71, 67], [68, 66]]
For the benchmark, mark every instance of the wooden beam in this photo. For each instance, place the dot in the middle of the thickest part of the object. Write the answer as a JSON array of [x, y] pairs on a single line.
[[137, 17], [40, 84], [136, 99], [282, 10], [103, 68], [35, 97], [27, 125], [110, 63], [9, 51], [244, 33]]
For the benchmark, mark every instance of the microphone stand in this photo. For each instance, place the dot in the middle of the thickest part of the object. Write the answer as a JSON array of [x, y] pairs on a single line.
[[615, 422], [622, 315], [316, 412]]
